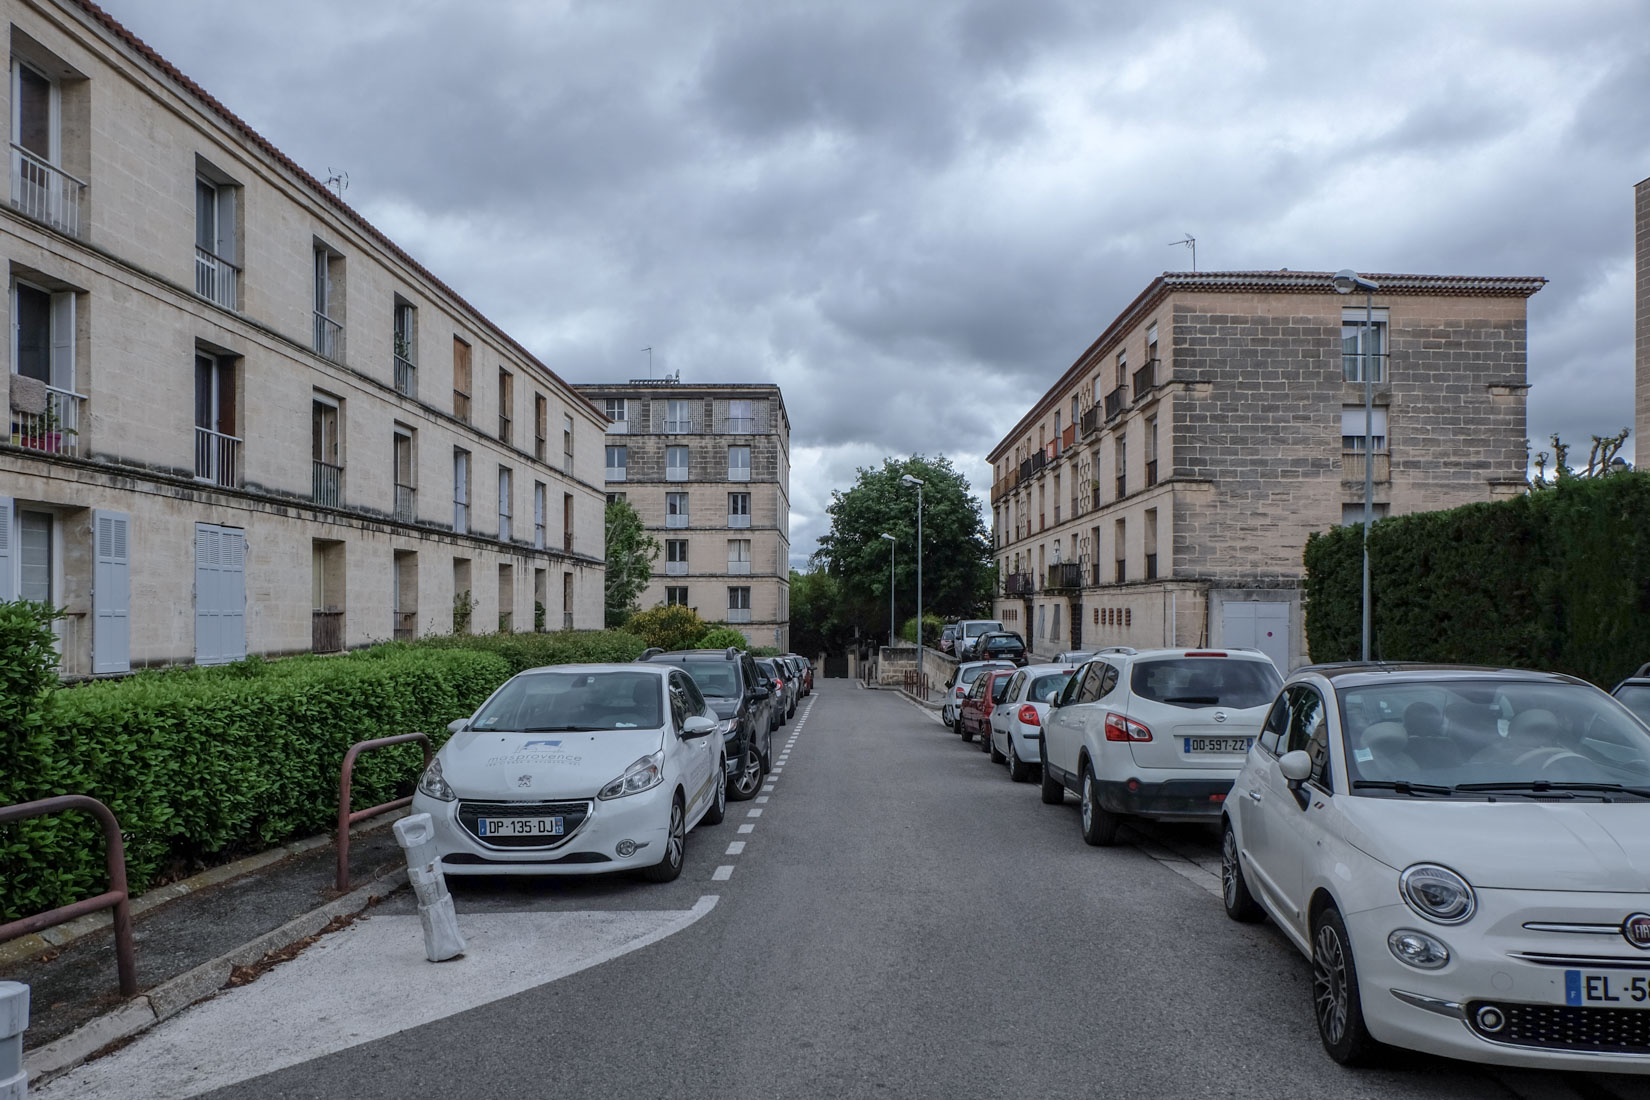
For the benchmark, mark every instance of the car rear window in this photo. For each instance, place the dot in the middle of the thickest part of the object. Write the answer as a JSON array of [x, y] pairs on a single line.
[[1045, 688], [1636, 698], [714, 677], [976, 629], [1003, 643], [1206, 682], [969, 675]]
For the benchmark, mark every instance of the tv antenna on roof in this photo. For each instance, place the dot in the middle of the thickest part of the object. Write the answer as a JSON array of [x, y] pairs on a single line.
[[338, 181], [649, 351], [1191, 243]]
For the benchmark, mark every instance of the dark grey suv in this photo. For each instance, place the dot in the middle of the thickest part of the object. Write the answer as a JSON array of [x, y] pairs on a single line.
[[738, 692]]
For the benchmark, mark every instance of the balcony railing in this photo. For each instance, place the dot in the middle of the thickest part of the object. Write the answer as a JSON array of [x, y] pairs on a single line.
[[676, 519], [1063, 576], [326, 631], [1039, 461], [679, 473], [1019, 584], [56, 430], [406, 625], [45, 192], [1068, 437], [619, 427], [406, 503], [615, 473], [328, 484], [216, 279], [406, 377], [1151, 473], [739, 520], [741, 425], [1025, 469], [329, 338], [739, 614], [680, 427], [741, 568], [217, 457], [1089, 421], [676, 568], [1114, 401], [1145, 379], [1352, 466], [735, 473]]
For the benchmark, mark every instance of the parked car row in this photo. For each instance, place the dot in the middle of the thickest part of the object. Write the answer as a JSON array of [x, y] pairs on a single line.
[[582, 769], [1461, 853]]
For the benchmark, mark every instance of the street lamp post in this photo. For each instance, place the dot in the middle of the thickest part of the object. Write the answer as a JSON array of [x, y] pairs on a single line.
[[909, 480], [891, 543], [1346, 281]]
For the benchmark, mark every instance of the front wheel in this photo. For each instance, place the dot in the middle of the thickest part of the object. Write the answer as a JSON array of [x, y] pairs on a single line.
[[670, 864], [945, 715], [1335, 999], [1234, 888], [1054, 792], [748, 779], [719, 801], [1099, 825]]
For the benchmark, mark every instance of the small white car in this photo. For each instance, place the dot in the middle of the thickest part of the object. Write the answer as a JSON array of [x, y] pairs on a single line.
[[962, 678], [1158, 733], [1463, 854], [576, 770], [1017, 722]]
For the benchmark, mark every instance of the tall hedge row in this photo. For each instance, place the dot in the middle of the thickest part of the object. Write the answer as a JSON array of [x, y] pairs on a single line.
[[1558, 579]]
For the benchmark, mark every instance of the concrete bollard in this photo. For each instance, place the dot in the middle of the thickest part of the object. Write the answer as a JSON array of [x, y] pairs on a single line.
[[14, 1020], [416, 835]]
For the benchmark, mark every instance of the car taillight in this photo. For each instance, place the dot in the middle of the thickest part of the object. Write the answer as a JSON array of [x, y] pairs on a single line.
[[1204, 653], [1028, 715], [959, 693], [1120, 728]]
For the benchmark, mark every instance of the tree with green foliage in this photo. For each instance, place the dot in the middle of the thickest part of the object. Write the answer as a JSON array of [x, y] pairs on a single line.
[[668, 626], [957, 569], [816, 622], [631, 552]]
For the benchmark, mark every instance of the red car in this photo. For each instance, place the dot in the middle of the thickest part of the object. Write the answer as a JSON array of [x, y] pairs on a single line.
[[974, 715]]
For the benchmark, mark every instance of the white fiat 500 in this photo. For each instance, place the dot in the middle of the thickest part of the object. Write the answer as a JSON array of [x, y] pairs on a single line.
[[1464, 855], [574, 770], [1017, 722]]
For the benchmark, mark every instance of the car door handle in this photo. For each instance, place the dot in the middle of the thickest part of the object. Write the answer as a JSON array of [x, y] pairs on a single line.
[[1254, 795]]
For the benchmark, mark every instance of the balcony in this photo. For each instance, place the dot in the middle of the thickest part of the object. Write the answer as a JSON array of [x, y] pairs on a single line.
[[327, 484], [406, 625], [1064, 576], [1019, 584], [45, 192], [739, 520], [326, 631], [329, 338], [681, 427], [1145, 379], [1089, 421], [406, 503], [1352, 466], [1068, 437], [739, 614], [1039, 462], [741, 425], [406, 377], [739, 568], [1114, 401], [676, 568], [217, 457], [55, 430], [1025, 469], [216, 279], [1151, 473], [676, 519]]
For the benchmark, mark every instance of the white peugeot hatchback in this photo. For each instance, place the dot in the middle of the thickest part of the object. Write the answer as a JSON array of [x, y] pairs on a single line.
[[577, 769], [1158, 733], [1464, 855], [1017, 722]]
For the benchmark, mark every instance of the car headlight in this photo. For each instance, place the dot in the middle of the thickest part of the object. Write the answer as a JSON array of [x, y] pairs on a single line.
[[1437, 893], [432, 784], [643, 775], [727, 726]]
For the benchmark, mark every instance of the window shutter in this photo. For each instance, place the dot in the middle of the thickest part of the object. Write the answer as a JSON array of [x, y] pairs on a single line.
[[8, 557], [207, 643], [233, 606], [111, 593], [226, 223], [63, 341]]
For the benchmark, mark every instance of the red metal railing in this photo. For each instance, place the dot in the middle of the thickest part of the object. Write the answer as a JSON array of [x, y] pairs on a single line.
[[345, 817], [116, 897]]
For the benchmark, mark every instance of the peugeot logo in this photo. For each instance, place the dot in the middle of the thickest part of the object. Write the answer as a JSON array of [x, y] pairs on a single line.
[[1220, 716], [1636, 930]]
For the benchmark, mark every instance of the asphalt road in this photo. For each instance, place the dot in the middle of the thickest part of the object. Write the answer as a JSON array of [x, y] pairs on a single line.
[[903, 921]]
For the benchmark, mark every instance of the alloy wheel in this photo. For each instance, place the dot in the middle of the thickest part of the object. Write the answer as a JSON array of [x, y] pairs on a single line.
[[721, 795], [750, 775], [1229, 868], [1088, 800], [1329, 986], [1013, 761], [678, 836]]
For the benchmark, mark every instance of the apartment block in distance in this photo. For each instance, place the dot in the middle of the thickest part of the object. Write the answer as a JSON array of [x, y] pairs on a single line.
[[1161, 492], [241, 419], [708, 468]]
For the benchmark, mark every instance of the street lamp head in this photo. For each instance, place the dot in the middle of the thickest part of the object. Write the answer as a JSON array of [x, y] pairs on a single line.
[[889, 537], [909, 480], [1347, 280]]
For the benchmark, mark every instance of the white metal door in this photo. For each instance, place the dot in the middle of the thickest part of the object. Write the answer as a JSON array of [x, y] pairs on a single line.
[[111, 593], [1257, 625], [220, 594]]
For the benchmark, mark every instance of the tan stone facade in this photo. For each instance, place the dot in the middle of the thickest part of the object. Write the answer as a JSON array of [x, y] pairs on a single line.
[[239, 415], [708, 468], [1162, 491], [1641, 322]]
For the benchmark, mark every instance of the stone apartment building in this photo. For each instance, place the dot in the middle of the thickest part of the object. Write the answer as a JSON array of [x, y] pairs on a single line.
[[242, 421], [1162, 490], [708, 468]]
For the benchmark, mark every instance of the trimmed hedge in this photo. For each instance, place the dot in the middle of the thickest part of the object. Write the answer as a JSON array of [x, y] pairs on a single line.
[[565, 647], [1557, 579]]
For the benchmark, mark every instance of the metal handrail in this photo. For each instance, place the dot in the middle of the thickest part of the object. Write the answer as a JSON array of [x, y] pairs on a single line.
[[116, 897], [345, 817]]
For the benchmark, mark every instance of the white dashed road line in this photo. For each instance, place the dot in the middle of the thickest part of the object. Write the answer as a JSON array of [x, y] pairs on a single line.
[[747, 828], [753, 813], [722, 873], [736, 847]]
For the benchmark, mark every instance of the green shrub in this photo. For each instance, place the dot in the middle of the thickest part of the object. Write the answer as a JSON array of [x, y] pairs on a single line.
[[562, 647], [668, 626], [931, 627], [721, 638]]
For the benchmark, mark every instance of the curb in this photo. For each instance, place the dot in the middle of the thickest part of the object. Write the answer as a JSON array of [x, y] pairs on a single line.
[[36, 944], [171, 997]]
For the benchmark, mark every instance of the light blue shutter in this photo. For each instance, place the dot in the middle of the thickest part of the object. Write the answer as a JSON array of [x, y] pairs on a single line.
[[232, 608], [111, 593], [8, 558], [207, 647], [62, 354]]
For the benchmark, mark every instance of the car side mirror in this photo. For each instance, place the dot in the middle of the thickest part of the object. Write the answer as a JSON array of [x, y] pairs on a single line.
[[697, 726], [1295, 766], [458, 725]]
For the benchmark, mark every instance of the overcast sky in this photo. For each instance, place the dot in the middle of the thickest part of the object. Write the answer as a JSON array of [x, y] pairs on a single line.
[[913, 215]]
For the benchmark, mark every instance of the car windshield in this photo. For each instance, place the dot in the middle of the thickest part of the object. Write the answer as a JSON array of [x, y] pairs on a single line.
[[1044, 689], [1636, 698], [976, 629], [1206, 682], [716, 678], [542, 701], [1492, 738]]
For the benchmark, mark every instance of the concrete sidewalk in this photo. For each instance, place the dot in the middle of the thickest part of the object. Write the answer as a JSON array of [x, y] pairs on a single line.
[[189, 936]]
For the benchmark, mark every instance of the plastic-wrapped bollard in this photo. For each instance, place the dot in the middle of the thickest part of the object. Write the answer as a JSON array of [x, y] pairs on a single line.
[[14, 1020], [442, 940]]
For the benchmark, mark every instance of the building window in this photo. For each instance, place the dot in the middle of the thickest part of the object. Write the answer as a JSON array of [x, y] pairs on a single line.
[[676, 557], [461, 380], [676, 596], [217, 447], [1151, 543], [404, 595], [1353, 441], [216, 276], [541, 427], [538, 515], [404, 335], [741, 417], [506, 599], [506, 404], [40, 188], [1353, 333], [739, 509], [504, 508], [1120, 542], [44, 331], [739, 463], [325, 451], [567, 442], [406, 492], [676, 463], [739, 556], [739, 605], [329, 303], [1151, 451], [1122, 466], [461, 491], [679, 417], [618, 411], [35, 569], [614, 498], [676, 509], [617, 461], [567, 523]]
